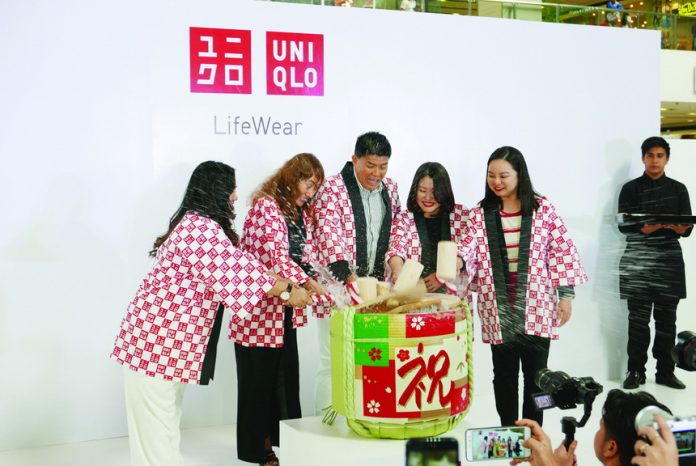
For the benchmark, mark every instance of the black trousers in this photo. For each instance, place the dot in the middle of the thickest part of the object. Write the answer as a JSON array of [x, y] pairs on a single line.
[[268, 390], [533, 353], [665, 314]]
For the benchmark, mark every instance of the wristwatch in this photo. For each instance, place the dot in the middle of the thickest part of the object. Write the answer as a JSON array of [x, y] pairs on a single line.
[[285, 295]]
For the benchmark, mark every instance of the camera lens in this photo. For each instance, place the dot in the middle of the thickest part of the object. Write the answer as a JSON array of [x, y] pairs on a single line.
[[549, 381], [684, 352]]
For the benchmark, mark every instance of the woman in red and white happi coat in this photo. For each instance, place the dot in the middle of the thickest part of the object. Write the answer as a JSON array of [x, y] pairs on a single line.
[[169, 333], [431, 216], [524, 266], [276, 233]]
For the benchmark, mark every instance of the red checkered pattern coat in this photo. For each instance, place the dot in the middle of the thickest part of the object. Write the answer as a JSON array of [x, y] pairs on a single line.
[[266, 238], [553, 261], [405, 242], [335, 236], [167, 325]]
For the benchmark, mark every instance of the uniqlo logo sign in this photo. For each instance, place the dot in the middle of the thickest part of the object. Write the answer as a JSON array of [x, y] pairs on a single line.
[[220, 60], [294, 63]]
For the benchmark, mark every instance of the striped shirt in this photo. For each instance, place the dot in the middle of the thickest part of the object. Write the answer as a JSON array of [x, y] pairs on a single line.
[[512, 224], [374, 207]]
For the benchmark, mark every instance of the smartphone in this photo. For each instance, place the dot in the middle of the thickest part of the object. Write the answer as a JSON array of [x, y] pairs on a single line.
[[496, 443], [432, 451]]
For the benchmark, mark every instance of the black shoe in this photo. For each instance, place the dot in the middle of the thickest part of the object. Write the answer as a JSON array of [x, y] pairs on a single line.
[[633, 379], [670, 380]]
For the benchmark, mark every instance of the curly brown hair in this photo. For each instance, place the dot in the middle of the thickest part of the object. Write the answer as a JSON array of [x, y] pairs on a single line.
[[282, 185]]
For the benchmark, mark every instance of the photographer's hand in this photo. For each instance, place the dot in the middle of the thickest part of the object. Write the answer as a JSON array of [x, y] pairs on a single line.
[[540, 445], [566, 457], [662, 449]]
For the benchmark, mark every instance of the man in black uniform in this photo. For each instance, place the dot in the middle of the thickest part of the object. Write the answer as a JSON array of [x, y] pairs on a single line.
[[651, 272]]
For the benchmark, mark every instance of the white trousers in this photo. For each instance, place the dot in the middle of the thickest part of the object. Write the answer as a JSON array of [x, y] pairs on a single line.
[[323, 381], [153, 408]]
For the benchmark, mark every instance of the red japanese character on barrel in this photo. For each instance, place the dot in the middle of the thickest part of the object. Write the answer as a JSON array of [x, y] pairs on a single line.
[[402, 368]]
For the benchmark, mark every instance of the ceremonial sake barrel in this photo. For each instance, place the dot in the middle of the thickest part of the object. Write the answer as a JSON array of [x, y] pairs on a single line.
[[403, 374]]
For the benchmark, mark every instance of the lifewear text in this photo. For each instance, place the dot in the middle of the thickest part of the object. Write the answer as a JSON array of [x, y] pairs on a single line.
[[256, 125]]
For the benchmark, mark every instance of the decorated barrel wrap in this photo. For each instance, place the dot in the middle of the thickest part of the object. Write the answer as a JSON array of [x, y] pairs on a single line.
[[402, 375]]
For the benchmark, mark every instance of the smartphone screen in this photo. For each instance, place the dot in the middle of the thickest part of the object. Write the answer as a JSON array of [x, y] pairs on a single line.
[[495, 443], [432, 451], [684, 435]]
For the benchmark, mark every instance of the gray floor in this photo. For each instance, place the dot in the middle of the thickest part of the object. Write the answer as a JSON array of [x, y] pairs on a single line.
[[210, 446]]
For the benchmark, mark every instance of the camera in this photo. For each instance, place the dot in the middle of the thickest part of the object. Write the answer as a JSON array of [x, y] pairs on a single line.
[[683, 429], [563, 391], [566, 392], [684, 353]]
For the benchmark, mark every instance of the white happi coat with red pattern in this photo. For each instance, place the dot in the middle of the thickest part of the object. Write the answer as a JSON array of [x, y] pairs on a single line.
[[405, 241], [266, 238], [168, 323], [336, 234], [552, 261]]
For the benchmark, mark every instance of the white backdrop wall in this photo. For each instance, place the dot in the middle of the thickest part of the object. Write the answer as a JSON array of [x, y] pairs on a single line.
[[99, 133]]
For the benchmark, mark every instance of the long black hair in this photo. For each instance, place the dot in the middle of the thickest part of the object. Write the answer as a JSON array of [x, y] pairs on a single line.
[[442, 187], [208, 194], [525, 190]]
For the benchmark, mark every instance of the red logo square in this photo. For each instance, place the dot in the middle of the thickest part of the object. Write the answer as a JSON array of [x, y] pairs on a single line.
[[220, 60], [294, 63]]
